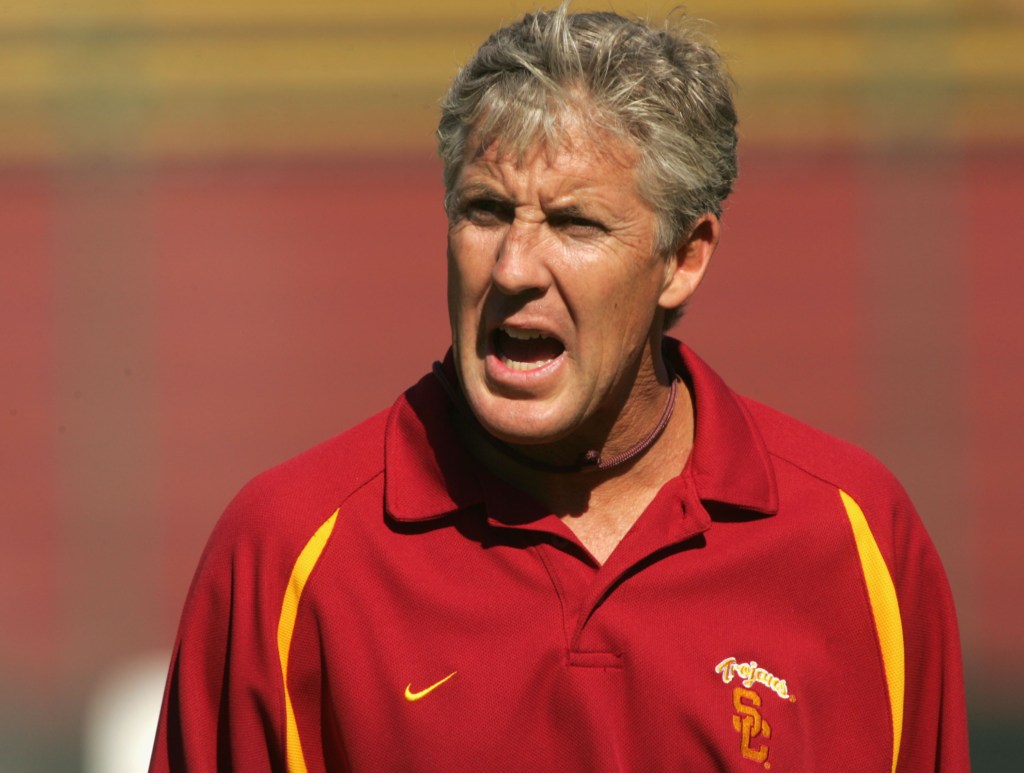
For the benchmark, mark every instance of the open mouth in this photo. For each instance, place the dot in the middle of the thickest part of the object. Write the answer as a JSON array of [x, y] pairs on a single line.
[[525, 349]]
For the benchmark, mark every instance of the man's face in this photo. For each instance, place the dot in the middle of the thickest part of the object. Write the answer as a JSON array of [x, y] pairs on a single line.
[[553, 289]]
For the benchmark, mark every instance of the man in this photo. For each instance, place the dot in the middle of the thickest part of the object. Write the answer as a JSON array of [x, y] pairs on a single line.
[[571, 547]]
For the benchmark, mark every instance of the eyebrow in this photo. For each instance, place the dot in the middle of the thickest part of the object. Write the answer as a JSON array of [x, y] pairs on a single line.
[[571, 210], [479, 189]]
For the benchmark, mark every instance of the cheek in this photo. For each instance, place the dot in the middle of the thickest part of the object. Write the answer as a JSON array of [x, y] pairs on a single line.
[[627, 310], [459, 279], [615, 292], [456, 286], [468, 271], [454, 283]]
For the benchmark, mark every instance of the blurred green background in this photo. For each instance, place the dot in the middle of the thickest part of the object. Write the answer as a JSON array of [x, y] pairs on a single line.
[[221, 241]]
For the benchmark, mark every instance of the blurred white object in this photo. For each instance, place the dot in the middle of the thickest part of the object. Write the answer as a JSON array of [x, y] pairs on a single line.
[[121, 717]]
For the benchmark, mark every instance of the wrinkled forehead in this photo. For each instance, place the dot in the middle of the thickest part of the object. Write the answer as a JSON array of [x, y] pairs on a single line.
[[568, 132]]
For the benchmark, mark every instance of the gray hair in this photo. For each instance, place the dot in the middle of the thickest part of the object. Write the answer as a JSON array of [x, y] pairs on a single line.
[[664, 90]]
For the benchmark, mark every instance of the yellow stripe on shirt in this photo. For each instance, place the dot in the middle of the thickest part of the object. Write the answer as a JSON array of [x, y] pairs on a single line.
[[296, 761], [885, 608]]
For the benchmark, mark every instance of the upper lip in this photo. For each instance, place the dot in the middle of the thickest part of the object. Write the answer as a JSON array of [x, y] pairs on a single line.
[[528, 327], [526, 333]]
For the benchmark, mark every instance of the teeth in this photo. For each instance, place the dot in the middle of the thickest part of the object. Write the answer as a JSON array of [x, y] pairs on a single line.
[[527, 334], [516, 365], [523, 335]]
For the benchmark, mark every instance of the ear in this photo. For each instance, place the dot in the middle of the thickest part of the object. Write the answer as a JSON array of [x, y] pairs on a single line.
[[684, 269]]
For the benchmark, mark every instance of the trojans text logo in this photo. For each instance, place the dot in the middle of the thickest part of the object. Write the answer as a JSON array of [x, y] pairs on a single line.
[[754, 729]]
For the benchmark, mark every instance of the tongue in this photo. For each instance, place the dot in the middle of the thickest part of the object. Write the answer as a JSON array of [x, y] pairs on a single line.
[[528, 350]]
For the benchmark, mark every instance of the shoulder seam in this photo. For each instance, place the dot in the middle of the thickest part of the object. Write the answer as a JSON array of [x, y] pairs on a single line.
[[803, 468], [338, 511], [360, 487], [866, 460]]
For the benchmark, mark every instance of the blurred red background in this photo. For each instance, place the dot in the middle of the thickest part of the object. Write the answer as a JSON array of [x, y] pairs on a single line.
[[200, 279]]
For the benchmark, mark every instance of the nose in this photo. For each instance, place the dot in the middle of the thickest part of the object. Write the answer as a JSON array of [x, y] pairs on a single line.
[[522, 261]]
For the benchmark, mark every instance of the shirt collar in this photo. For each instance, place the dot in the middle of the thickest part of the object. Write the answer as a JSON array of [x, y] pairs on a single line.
[[428, 473], [729, 461]]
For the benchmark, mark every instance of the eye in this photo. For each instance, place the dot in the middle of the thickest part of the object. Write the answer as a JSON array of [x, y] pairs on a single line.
[[576, 224], [487, 211]]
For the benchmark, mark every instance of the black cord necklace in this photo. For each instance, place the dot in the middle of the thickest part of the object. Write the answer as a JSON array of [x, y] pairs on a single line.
[[589, 460]]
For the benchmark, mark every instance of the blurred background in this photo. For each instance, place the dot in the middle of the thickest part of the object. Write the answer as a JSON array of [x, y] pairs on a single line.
[[221, 241]]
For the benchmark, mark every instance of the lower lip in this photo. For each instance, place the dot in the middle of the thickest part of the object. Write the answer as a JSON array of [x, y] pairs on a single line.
[[501, 374]]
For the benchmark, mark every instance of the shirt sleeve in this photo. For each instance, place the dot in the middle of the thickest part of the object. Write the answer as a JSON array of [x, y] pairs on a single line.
[[934, 734], [223, 705]]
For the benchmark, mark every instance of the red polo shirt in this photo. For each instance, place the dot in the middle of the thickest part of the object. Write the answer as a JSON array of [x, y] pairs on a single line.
[[382, 603]]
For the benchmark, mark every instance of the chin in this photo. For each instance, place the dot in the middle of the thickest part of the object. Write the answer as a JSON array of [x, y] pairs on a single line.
[[520, 421]]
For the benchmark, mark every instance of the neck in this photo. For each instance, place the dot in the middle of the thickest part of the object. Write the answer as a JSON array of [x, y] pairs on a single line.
[[601, 506], [591, 460], [628, 474]]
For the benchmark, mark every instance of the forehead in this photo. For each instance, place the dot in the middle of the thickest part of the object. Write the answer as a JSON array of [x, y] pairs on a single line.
[[577, 155]]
